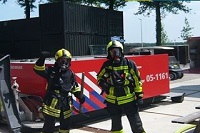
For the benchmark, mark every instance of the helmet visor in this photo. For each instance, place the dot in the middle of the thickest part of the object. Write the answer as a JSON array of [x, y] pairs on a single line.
[[115, 52], [64, 63]]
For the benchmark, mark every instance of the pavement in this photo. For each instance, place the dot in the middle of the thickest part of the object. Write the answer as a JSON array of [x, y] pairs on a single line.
[[157, 117]]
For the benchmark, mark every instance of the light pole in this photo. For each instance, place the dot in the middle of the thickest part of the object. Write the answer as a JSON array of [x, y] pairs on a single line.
[[141, 31]]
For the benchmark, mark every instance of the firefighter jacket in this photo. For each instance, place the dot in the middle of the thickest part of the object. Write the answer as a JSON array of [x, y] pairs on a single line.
[[122, 81], [60, 86]]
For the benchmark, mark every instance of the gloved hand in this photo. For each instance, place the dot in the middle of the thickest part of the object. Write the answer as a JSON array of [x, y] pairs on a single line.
[[140, 101], [82, 100], [45, 54], [105, 87]]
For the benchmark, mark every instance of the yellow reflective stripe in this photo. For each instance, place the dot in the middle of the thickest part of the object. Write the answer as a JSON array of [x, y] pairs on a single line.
[[57, 91], [118, 68], [110, 101], [138, 88], [76, 89], [111, 90], [125, 101], [125, 97], [67, 113], [39, 68], [51, 111], [126, 71], [121, 100], [138, 84], [126, 82], [100, 75], [1, 106], [63, 131], [110, 98], [54, 102], [127, 90], [121, 131]]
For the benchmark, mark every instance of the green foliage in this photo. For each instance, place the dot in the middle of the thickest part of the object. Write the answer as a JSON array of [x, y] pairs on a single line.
[[25, 3], [28, 6], [110, 4], [4, 1], [164, 37], [186, 31], [161, 9], [170, 6]]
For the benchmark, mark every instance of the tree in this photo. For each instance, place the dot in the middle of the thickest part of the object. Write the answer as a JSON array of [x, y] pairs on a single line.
[[4, 1], [186, 31], [164, 37], [161, 8], [28, 6], [110, 4]]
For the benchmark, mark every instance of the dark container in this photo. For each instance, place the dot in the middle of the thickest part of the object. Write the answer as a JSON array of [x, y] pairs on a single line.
[[26, 29], [6, 31], [52, 42], [51, 18], [25, 49], [77, 44], [60, 25], [181, 52], [20, 38], [5, 48], [76, 27], [115, 23]]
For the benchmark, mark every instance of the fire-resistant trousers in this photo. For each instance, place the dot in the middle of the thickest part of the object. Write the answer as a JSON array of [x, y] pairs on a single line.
[[131, 110], [49, 124]]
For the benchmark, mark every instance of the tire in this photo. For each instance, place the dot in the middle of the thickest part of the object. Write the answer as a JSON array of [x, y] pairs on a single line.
[[181, 75], [172, 76], [186, 129]]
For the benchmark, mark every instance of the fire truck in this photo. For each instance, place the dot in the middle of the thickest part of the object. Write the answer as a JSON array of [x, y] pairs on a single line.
[[22, 91]]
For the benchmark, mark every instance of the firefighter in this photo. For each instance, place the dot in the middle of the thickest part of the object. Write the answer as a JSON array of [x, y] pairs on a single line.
[[61, 85], [119, 78]]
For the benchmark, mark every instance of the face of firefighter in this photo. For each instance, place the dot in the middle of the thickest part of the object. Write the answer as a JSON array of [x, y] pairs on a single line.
[[116, 55], [64, 63]]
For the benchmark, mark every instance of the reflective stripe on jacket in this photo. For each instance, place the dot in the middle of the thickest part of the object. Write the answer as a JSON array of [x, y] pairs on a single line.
[[131, 82]]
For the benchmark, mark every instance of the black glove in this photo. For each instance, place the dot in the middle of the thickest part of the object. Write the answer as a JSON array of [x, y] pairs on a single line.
[[105, 87], [45, 54], [82, 100], [140, 101]]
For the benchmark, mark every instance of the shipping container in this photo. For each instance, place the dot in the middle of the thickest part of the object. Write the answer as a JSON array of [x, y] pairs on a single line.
[[73, 18], [26, 29], [6, 31], [60, 25]]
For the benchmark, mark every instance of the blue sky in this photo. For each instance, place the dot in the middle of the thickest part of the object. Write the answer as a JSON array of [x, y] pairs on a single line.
[[173, 24]]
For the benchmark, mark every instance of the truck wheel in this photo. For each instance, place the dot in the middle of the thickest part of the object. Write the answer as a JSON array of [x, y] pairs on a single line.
[[172, 76]]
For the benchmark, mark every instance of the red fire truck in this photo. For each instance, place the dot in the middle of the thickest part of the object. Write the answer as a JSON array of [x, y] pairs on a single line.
[[153, 68]]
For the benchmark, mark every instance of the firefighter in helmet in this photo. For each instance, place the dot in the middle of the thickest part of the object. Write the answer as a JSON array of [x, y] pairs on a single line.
[[119, 78], [61, 85]]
